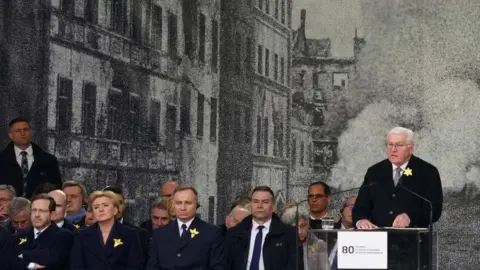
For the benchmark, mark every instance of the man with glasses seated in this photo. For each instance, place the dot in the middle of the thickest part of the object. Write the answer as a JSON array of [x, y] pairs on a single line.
[[319, 198], [7, 193], [345, 222]]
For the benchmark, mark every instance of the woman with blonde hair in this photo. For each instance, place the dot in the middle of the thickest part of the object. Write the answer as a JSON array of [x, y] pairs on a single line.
[[107, 244]]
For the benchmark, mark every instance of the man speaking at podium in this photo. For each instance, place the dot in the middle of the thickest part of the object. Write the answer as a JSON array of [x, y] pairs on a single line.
[[385, 200]]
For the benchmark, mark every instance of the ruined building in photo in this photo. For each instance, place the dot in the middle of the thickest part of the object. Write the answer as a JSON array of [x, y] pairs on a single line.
[[123, 92], [317, 77]]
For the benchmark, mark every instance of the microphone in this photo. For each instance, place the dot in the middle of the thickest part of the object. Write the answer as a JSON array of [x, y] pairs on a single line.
[[430, 224], [297, 215], [352, 189]]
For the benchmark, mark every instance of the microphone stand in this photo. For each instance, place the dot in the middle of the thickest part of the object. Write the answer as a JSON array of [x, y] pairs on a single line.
[[430, 226], [297, 244]]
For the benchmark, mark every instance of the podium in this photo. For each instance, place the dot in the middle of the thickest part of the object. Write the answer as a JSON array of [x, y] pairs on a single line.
[[383, 248]]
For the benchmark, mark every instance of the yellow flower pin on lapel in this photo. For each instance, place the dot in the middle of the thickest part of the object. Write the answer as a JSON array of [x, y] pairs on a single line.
[[408, 172], [312, 248], [117, 242], [22, 241], [76, 226], [193, 232]]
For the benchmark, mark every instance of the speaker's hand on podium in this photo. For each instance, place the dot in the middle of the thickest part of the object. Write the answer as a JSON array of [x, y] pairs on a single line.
[[401, 221], [365, 224]]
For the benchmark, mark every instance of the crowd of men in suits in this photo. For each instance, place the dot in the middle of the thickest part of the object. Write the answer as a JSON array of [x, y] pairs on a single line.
[[50, 224]]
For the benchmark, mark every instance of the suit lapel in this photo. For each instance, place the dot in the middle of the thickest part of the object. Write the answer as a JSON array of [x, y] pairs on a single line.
[[188, 236], [95, 238], [388, 175], [404, 179]]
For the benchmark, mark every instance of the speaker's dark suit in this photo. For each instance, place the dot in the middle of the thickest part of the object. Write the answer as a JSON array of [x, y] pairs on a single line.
[[201, 247], [51, 249], [382, 202], [44, 169], [121, 251]]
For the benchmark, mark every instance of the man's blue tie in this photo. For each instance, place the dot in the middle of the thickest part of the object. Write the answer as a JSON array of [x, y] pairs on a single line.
[[257, 250], [184, 231]]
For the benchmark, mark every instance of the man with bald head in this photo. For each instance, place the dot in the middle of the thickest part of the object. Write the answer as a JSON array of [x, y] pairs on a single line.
[[58, 216], [167, 189]]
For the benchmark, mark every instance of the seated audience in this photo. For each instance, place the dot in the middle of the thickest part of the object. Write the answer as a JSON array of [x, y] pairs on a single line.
[[167, 189], [107, 244], [315, 256], [19, 213], [42, 246], [89, 219], [60, 211], [345, 222], [7, 193], [76, 201], [159, 216]]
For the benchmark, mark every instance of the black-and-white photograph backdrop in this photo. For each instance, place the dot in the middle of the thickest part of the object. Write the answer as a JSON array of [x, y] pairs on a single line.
[[226, 95]]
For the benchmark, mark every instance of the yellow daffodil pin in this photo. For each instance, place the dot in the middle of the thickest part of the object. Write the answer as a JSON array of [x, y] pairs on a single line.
[[76, 226], [22, 241], [193, 232], [408, 172], [117, 242], [312, 247]]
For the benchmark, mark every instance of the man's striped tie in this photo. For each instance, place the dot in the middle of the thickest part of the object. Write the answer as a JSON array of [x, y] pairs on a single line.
[[24, 171]]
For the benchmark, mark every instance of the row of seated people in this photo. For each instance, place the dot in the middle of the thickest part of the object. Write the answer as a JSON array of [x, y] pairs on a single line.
[[104, 240]]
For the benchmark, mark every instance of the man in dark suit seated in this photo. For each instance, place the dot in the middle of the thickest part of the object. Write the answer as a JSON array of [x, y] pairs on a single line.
[[239, 210], [59, 215], [345, 222], [262, 240], [19, 213], [159, 217], [7, 193], [76, 202], [319, 198], [43, 246], [189, 242], [23, 164]]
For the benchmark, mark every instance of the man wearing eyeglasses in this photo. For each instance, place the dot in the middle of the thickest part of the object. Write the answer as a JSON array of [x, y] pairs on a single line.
[[345, 223], [319, 198], [387, 203]]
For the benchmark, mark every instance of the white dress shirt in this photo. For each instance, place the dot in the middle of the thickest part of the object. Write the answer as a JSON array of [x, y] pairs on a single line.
[[253, 235], [180, 223], [61, 223], [18, 155], [312, 218]]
